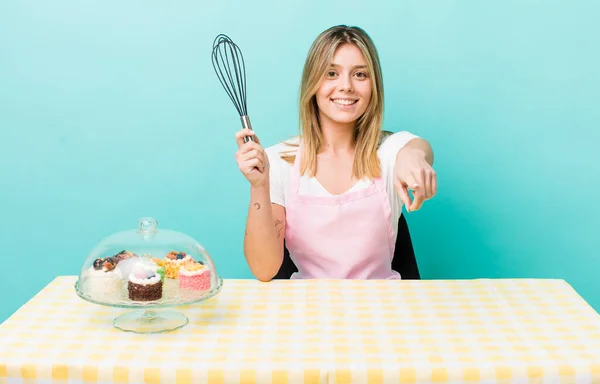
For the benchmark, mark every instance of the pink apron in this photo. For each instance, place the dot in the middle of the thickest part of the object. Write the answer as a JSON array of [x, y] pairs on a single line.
[[346, 236]]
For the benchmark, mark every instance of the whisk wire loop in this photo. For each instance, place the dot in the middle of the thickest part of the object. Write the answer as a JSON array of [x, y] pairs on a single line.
[[228, 63]]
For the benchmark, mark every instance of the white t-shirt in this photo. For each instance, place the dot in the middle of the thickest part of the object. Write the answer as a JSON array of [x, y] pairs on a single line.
[[281, 172]]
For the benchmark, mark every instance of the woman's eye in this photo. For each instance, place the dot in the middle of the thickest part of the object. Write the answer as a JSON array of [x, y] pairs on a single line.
[[361, 75], [331, 74]]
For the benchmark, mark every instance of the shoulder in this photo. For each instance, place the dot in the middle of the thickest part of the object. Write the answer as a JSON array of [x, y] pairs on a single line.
[[280, 169], [287, 147], [391, 143], [395, 140]]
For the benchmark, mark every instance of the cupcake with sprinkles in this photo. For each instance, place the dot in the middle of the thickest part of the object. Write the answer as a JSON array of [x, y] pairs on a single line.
[[194, 276], [144, 283], [173, 262]]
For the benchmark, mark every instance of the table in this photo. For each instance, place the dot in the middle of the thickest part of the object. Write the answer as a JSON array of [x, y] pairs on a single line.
[[320, 331]]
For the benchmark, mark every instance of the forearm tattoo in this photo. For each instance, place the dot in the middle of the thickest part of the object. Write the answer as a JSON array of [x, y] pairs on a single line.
[[278, 227]]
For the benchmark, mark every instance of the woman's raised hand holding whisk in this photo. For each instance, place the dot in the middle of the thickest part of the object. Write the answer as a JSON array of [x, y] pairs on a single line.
[[252, 159]]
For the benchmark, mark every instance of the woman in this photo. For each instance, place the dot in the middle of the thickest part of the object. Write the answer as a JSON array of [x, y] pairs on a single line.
[[333, 192]]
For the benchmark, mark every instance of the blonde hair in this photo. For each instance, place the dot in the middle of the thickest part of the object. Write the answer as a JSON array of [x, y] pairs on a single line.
[[367, 132]]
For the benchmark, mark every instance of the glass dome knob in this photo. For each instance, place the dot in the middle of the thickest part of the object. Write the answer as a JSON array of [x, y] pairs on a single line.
[[148, 225]]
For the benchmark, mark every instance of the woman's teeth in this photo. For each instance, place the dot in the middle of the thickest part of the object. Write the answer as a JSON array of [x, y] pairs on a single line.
[[344, 102]]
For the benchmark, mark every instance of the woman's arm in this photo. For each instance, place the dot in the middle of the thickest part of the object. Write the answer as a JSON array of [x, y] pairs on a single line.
[[265, 231], [419, 147], [265, 224]]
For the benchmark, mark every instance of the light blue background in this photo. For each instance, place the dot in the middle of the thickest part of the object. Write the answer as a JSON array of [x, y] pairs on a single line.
[[110, 110]]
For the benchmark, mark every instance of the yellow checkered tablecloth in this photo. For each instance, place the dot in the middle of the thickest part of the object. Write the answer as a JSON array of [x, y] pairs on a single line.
[[495, 331]]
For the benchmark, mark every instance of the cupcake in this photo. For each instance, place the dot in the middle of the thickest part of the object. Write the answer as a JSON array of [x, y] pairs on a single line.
[[173, 262], [103, 280], [144, 283], [194, 276]]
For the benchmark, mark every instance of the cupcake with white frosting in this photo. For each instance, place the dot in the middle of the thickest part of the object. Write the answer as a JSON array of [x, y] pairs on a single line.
[[144, 284], [103, 280]]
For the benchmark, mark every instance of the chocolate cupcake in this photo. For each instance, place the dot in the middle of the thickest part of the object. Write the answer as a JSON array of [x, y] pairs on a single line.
[[144, 284]]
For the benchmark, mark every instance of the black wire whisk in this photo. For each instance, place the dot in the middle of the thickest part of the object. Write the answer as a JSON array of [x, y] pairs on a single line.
[[228, 62]]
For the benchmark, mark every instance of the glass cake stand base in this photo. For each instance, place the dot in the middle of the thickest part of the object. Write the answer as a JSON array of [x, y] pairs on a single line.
[[146, 316], [150, 321]]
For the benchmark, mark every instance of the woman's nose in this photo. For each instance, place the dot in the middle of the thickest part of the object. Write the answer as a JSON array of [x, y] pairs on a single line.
[[345, 84]]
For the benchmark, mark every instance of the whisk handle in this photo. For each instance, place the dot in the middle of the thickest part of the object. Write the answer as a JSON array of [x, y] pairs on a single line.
[[246, 124]]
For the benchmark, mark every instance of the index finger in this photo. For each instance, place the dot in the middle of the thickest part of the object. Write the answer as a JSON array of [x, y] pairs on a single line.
[[239, 136], [418, 198]]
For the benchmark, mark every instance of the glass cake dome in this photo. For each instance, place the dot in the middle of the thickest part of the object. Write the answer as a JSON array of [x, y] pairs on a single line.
[[148, 268]]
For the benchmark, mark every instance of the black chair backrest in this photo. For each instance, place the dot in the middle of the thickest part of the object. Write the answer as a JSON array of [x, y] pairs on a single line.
[[404, 262]]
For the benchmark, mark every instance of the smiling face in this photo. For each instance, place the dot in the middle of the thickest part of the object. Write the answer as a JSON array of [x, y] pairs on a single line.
[[345, 91], [342, 90]]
